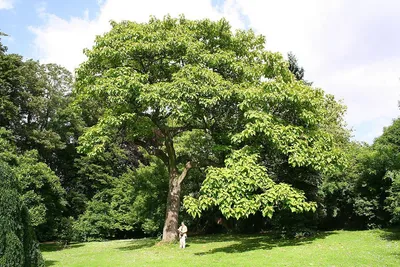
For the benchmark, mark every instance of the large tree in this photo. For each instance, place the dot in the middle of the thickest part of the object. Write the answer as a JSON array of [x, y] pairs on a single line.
[[33, 96], [33, 106], [386, 172], [34, 126], [167, 80]]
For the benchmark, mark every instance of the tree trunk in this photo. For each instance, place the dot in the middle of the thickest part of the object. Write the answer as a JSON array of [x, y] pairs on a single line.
[[170, 231]]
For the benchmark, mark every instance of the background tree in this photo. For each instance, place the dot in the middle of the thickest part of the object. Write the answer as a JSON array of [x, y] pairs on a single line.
[[365, 193], [133, 206], [294, 68], [40, 188], [33, 128], [33, 96], [387, 148], [17, 240]]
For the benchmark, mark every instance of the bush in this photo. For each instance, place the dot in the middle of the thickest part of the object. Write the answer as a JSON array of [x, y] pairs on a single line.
[[133, 207], [17, 240], [95, 224], [65, 231]]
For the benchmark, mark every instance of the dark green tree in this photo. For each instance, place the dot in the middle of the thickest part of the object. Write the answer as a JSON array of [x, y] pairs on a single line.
[[388, 145], [93, 175], [294, 68], [41, 190], [36, 129], [18, 247], [366, 193], [32, 97], [133, 204]]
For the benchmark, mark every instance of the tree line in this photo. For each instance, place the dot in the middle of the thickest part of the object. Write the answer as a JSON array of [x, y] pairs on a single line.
[[176, 120]]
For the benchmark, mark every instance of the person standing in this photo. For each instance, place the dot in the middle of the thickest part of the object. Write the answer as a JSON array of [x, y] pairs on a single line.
[[182, 235]]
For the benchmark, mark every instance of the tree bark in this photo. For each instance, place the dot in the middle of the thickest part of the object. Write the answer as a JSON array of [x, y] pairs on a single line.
[[170, 231]]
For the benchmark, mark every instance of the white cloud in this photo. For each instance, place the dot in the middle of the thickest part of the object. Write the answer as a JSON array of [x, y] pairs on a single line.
[[348, 48], [62, 41], [6, 4]]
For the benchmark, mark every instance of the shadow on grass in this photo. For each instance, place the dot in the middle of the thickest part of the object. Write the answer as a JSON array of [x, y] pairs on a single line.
[[139, 244], [249, 243], [50, 247], [391, 234], [50, 263]]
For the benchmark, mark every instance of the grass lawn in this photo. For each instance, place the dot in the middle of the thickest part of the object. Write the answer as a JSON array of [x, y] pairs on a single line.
[[338, 248]]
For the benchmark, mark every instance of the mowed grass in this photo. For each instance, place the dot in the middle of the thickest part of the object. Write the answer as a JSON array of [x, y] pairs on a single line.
[[337, 248]]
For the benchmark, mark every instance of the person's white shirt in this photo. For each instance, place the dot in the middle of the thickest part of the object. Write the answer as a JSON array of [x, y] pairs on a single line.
[[182, 235]]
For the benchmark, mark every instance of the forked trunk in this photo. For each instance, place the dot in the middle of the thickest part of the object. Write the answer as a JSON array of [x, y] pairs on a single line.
[[170, 231]]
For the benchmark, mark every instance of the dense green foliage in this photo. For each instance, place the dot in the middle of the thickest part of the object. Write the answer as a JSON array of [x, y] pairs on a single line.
[[18, 247], [41, 189], [243, 188], [34, 127], [168, 79], [178, 108], [366, 193], [133, 204]]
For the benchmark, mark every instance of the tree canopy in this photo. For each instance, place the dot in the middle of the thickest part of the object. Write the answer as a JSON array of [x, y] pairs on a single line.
[[165, 79]]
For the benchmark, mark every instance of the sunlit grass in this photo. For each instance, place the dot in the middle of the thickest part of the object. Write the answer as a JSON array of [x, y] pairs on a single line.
[[338, 248]]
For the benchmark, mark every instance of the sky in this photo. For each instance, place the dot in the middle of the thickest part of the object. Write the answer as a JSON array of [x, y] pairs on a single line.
[[350, 49]]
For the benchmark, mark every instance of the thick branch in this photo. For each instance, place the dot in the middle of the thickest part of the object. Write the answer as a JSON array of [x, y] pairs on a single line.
[[185, 171], [153, 151], [199, 164], [178, 130], [161, 155]]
